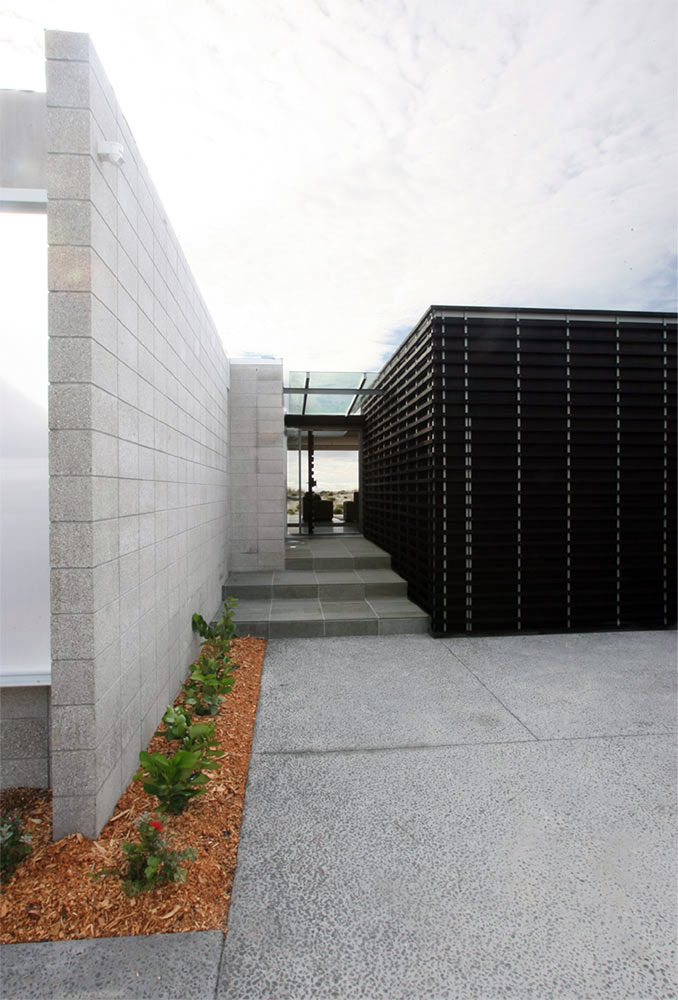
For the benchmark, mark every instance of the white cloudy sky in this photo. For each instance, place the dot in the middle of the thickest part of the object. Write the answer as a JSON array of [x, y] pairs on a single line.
[[333, 167]]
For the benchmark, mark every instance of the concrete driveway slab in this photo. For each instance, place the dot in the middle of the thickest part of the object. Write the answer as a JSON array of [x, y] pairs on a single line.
[[156, 967], [590, 684], [523, 870], [368, 692]]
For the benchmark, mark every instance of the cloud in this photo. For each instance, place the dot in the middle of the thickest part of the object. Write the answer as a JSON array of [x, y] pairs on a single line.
[[332, 168]]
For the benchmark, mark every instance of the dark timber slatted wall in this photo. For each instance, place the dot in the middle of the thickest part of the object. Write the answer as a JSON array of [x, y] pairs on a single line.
[[521, 469], [397, 486]]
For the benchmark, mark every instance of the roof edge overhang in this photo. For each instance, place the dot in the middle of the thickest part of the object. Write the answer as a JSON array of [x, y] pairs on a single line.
[[321, 421]]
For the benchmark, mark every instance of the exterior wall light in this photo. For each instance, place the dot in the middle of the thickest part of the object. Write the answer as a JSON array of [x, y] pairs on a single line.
[[112, 152]]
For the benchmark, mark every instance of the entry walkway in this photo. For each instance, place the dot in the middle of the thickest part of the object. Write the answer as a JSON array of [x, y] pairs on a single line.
[[466, 818], [329, 587]]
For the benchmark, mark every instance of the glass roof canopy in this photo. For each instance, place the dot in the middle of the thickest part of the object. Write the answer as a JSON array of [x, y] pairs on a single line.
[[325, 394]]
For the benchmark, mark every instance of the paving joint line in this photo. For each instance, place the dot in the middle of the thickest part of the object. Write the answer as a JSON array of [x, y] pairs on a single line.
[[220, 963], [489, 691], [318, 752]]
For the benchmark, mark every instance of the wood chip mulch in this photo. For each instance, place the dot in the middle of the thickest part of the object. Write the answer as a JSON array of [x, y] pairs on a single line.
[[52, 896]]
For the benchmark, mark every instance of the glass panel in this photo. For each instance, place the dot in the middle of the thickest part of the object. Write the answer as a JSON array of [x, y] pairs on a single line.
[[329, 405], [294, 403], [296, 380], [335, 380]]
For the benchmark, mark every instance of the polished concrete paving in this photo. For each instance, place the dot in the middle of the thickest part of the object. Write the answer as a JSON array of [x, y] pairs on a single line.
[[459, 818]]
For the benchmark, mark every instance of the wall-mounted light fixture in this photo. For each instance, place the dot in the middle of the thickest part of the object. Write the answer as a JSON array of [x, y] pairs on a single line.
[[112, 152]]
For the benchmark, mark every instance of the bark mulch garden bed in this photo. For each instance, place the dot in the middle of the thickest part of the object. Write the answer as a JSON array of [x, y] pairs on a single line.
[[52, 896]]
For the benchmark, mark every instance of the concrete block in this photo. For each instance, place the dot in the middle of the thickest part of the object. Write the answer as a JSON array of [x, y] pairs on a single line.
[[103, 283], [128, 422], [72, 544], [108, 751], [107, 670], [73, 728], [73, 637], [129, 609], [72, 45], [70, 359], [128, 497], [69, 268], [73, 812], [24, 772], [69, 314], [70, 499], [73, 682], [128, 347], [69, 406], [24, 703], [127, 293], [128, 460], [102, 104], [130, 723], [107, 797], [129, 534], [106, 711], [68, 222], [72, 591], [103, 240], [147, 562], [128, 381], [147, 533], [104, 498], [73, 769], [69, 130], [102, 194], [127, 237], [128, 567], [104, 453], [71, 452], [68, 176], [104, 328]]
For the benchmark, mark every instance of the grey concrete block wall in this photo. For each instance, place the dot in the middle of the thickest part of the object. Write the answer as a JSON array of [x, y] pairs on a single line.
[[24, 737], [258, 473], [138, 446]]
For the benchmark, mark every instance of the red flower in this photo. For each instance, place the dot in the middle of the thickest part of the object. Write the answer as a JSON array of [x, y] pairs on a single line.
[[156, 824]]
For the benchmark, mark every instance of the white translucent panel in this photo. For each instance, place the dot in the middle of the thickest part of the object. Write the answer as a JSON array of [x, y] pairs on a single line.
[[24, 474]]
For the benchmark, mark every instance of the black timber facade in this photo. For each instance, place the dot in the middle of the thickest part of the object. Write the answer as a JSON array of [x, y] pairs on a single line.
[[520, 468]]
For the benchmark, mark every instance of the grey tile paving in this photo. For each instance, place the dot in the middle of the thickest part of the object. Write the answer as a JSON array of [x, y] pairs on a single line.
[[355, 626], [341, 591], [305, 629], [295, 610], [395, 607], [337, 576], [403, 626], [347, 610]]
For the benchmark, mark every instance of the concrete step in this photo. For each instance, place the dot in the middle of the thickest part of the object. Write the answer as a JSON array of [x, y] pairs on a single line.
[[330, 587], [335, 554], [334, 585]]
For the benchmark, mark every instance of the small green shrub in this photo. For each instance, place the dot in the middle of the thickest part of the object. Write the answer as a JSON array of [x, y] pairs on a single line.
[[202, 739], [150, 862], [15, 845], [210, 678], [173, 780], [177, 721], [217, 636]]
